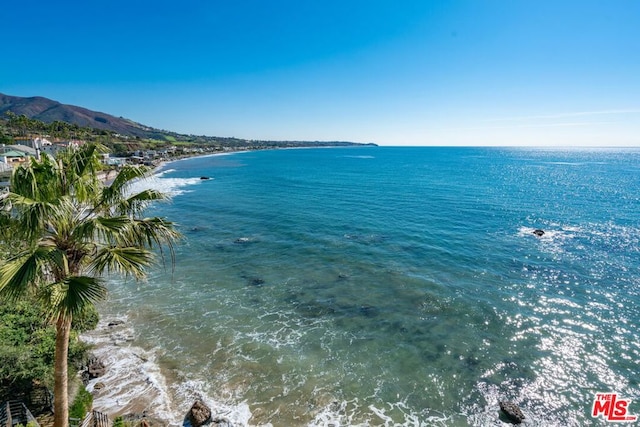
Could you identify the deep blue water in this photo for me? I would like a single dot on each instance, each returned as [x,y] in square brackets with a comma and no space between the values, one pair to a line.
[398,286]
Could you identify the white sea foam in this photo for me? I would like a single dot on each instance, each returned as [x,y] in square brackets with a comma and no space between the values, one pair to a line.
[164,172]
[134,382]
[359,157]
[191,390]
[171,186]
[549,234]
[553,240]
[343,414]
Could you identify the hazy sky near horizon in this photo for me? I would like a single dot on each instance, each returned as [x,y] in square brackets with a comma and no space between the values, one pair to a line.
[412,72]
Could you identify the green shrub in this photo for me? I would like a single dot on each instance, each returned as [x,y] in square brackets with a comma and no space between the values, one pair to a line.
[27,346]
[122,422]
[81,404]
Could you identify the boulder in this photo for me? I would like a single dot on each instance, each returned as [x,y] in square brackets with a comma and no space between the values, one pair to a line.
[512,411]
[115,323]
[95,368]
[199,414]
[538,232]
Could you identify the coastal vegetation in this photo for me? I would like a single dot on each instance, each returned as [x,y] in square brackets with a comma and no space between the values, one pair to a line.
[14,128]
[24,118]
[66,230]
[81,404]
[27,346]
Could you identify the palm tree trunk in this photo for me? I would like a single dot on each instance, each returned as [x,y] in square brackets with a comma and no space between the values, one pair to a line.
[60,388]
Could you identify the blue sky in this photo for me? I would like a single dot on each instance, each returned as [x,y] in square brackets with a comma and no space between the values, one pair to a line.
[477,72]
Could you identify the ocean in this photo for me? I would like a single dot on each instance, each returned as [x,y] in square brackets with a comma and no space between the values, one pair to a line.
[384,286]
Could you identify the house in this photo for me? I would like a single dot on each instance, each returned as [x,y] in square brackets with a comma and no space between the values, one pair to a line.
[117,161]
[45,146]
[13,157]
[15,154]
[21,148]
[136,160]
[52,149]
[34,143]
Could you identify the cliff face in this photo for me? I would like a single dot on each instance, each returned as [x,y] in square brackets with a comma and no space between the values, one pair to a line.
[47,110]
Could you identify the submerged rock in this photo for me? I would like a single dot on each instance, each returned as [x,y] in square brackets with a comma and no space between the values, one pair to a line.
[512,411]
[199,414]
[256,281]
[116,323]
[368,311]
[538,232]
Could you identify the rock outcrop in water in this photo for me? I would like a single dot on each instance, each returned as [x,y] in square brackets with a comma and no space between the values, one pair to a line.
[538,232]
[95,368]
[512,411]
[115,323]
[199,414]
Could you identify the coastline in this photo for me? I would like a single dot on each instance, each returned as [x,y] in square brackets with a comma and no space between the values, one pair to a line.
[136,385]
[135,382]
[264,313]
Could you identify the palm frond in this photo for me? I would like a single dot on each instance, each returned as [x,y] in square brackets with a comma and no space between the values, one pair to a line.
[155,230]
[160,232]
[22,273]
[32,216]
[102,229]
[121,260]
[136,203]
[116,192]
[72,296]
[37,179]
[78,169]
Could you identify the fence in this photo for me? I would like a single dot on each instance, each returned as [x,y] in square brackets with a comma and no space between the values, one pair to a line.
[15,412]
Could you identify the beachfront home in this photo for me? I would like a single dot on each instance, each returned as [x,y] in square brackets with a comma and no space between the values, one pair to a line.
[116,161]
[136,160]
[13,157]
[34,143]
[16,154]
[46,146]
[28,151]
[53,148]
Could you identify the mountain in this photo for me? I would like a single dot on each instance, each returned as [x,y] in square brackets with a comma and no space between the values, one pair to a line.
[47,110]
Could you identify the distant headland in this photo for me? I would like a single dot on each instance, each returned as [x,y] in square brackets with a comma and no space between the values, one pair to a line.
[28,117]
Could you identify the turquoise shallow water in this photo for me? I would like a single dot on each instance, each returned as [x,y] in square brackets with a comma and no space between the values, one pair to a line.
[398,286]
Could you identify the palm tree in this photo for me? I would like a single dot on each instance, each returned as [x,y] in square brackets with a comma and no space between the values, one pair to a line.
[74,229]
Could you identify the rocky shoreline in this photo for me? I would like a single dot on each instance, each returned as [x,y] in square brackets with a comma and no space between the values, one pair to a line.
[130,389]
[127,384]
